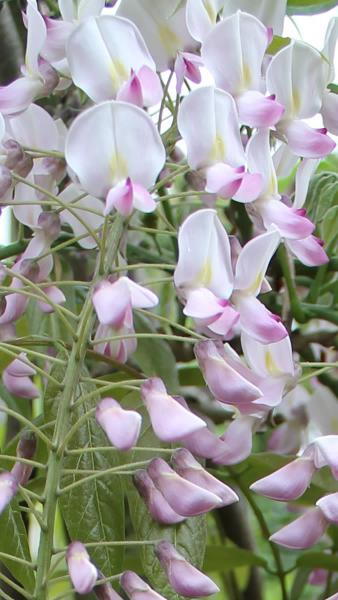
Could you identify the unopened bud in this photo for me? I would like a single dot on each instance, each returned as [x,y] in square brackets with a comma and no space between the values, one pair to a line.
[50,223]
[5,180]
[81,570]
[24,166]
[14,153]
[8,489]
[25,449]
[29,268]
[50,76]
[157,505]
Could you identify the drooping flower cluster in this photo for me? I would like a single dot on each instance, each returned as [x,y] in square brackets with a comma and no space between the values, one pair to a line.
[68,182]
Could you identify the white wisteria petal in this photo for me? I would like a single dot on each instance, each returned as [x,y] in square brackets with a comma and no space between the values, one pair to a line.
[297,75]
[102,53]
[119,133]
[34,128]
[254,260]
[201,16]
[260,160]
[270,12]
[204,255]
[329,48]
[208,123]
[233,52]
[270,360]
[304,173]
[36,37]
[140,296]
[82,209]
[18,95]
[80,9]
[329,112]
[162,25]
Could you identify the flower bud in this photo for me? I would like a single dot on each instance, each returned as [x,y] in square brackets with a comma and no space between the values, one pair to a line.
[122,427]
[8,489]
[287,483]
[16,378]
[157,505]
[50,223]
[304,532]
[25,449]
[136,588]
[5,180]
[170,420]
[50,76]
[329,507]
[24,166]
[189,468]
[106,592]
[81,571]
[14,153]
[185,579]
[184,497]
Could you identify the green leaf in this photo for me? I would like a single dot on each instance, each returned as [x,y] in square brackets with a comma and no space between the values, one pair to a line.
[309,7]
[329,227]
[333,87]
[223,558]
[322,196]
[277,44]
[318,560]
[13,540]
[94,511]
[189,537]
[299,583]
[154,356]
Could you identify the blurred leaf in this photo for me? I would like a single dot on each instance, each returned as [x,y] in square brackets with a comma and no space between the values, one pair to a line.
[189,537]
[299,583]
[94,511]
[322,196]
[329,229]
[277,44]
[13,540]
[222,558]
[154,356]
[309,7]
[333,87]
[190,374]
[318,560]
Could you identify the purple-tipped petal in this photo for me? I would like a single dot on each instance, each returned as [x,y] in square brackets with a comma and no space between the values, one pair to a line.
[302,533]
[122,427]
[329,507]
[136,588]
[120,197]
[184,497]
[309,251]
[183,577]
[305,141]
[170,420]
[237,441]
[257,110]
[157,505]
[8,488]
[288,483]
[189,468]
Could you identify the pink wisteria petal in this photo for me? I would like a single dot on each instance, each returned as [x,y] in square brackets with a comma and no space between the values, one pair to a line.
[208,123]
[308,142]
[157,505]
[8,488]
[260,160]
[288,483]
[170,420]
[81,570]
[250,188]
[256,320]
[184,497]
[151,86]
[302,533]
[254,260]
[183,577]
[329,507]
[22,387]
[19,94]
[202,304]
[224,325]
[20,367]
[140,296]
[121,426]
[187,66]
[309,251]
[204,443]
[243,39]
[58,32]
[111,301]
[292,223]
[257,110]
[225,383]
[143,201]
[113,126]
[131,91]
[326,453]
[136,588]
[120,197]
[204,265]
[56,296]
[188,467]
[224,180]
[237,440]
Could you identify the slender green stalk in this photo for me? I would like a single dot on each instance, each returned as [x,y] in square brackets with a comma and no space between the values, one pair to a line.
[296,307]
[70,383]
[113,449]
[98,474]
[163,336]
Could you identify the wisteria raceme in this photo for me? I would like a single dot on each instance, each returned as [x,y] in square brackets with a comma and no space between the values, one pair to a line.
[168,300]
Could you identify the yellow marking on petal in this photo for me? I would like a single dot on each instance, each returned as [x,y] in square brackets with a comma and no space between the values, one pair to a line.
[272,185]
[118,73]
[118,166]
[295,101]
[217,152]
[270,364]
[169,39]
[334,425]
[211,11]
[246,76]
[255,284]
[204,277]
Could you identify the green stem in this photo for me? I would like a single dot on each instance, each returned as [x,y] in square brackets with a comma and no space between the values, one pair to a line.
[97,474]
[317,311]
[295,304]
[13,249]
[113,449]
[70,384]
